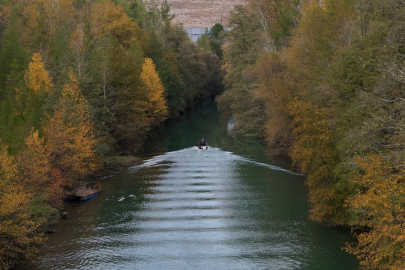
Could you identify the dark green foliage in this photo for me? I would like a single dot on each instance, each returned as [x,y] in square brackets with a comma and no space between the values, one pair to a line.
[174,91]
[238,99]
[127,95]
[211,42]
[189,62]
[286,21]
[213,85]
[14,60]
[216,30]
[204,41]
[135,9]
[216,48]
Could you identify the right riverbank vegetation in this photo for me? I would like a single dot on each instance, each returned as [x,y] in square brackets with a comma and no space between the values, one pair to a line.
[324,83]
[83,82]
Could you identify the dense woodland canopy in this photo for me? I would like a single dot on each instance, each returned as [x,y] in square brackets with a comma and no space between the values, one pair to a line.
[81,80]
[323,82]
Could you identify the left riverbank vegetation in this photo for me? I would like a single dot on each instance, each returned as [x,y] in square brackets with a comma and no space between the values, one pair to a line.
[82,81]
[323,83]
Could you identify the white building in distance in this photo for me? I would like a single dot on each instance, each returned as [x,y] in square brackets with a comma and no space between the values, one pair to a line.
[196,33]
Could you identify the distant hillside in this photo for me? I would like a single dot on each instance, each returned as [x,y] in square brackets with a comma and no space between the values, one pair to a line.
[202,13]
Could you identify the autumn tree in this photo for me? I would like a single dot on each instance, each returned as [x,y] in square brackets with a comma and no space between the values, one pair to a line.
[19,233]
[106,17]
[314,43]
[27,101]
[157,109]
[56,190]
[379,204]
[46,187]
[275,91]
[37,76]
[313,150]
[34,164]
[30,97]
[70,135]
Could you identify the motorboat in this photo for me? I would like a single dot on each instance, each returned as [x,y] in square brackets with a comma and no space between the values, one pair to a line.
[201,147]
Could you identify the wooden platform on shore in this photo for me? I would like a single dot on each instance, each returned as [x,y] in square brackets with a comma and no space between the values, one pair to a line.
[86,191]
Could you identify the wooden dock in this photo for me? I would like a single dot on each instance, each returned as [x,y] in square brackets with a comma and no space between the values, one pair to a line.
[84,192]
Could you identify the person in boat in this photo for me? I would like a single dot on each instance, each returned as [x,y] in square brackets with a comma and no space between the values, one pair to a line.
[201,143]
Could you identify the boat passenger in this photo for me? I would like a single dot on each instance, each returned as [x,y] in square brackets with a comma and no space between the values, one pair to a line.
[201,143]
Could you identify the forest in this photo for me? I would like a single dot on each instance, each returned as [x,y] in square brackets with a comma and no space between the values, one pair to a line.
[82,81]
[322,81]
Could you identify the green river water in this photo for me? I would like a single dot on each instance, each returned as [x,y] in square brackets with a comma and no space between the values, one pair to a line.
[224,208]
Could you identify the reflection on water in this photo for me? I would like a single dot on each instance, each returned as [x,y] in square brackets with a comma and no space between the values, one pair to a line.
[194,209]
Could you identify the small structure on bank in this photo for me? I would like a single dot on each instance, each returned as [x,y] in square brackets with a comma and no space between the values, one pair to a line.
[85,191]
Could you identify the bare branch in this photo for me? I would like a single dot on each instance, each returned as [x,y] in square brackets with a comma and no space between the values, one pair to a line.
[392,101]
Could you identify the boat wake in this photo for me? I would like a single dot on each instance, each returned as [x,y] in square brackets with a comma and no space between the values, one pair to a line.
[215,155]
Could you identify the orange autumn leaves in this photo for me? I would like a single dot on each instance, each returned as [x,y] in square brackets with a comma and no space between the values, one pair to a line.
[107,17]
[44,167]
[157,109]
[379,201]
[69,141]
[67,151]
[69,132]
[70,135]
[36,76]
[19,234]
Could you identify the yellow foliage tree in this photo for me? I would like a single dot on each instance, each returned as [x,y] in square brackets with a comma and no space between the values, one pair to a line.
[157,109]
[34,164]
[313,150]
[274,91]
[19,235]
[319,34]
[37,76]
[43,14]
[107,17]
[70,135]
[379,202]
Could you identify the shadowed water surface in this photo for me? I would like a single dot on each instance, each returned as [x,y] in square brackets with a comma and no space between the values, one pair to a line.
[224,208]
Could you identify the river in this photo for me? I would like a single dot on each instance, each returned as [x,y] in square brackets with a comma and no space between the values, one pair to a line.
[224,208]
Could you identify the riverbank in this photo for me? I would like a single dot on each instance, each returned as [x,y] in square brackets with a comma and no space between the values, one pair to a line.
[205,209]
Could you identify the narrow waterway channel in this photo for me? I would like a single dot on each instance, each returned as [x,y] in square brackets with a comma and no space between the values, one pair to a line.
[224,208]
